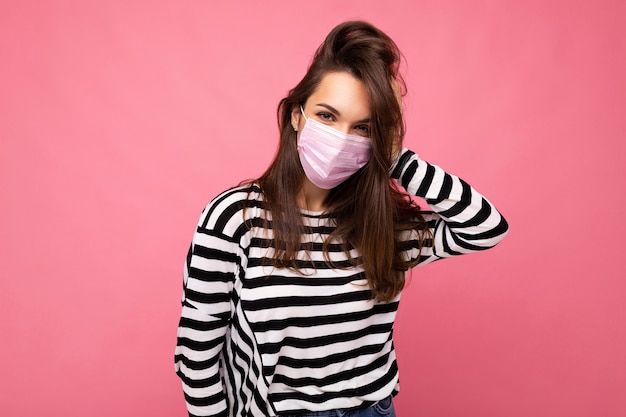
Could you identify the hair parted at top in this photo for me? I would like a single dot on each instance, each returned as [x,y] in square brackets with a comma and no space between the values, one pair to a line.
[369,211]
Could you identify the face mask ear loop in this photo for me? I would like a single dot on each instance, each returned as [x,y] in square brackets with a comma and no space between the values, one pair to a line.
[305,119]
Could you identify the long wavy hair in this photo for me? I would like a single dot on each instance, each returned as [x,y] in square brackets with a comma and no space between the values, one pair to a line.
[369,211]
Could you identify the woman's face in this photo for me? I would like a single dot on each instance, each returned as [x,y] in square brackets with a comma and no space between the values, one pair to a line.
[341,102]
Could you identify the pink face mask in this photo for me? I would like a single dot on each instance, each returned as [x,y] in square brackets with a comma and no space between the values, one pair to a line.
[328,156]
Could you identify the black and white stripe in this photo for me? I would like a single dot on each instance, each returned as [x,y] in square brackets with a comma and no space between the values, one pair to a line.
[255,340]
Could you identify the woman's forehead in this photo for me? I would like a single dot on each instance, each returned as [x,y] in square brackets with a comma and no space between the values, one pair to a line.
[343,92]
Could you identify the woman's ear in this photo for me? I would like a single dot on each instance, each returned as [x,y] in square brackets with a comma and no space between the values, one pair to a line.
[295,117]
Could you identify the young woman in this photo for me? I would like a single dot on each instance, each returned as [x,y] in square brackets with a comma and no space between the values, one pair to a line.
[292,281]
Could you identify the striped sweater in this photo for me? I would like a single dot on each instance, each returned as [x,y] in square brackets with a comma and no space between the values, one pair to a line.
[255,340]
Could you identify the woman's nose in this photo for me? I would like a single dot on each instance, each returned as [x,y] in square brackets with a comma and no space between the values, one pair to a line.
[344,128]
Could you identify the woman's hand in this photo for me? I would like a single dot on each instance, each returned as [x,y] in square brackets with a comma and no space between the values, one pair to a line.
[397,143]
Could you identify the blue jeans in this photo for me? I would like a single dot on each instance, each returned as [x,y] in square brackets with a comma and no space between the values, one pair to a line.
[383,408]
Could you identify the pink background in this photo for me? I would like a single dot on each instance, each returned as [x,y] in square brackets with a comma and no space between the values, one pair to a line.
[120,120]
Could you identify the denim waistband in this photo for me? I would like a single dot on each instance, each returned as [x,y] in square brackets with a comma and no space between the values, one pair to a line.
[337,412]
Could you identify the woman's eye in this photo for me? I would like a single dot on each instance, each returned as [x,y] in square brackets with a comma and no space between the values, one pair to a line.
[325,116]
[363,130]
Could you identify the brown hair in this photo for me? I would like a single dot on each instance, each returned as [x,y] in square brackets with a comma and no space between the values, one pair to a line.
[369,211]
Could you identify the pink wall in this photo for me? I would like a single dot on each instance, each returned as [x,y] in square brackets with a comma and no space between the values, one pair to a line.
[119,120]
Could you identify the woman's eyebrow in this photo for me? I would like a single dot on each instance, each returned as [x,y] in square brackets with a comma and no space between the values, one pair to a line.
[329,107]
[337,113]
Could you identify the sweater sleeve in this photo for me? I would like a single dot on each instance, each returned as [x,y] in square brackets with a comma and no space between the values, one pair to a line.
[208,277]
[461,219]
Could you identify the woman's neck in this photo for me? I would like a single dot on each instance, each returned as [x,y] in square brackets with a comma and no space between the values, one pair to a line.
[311,197]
